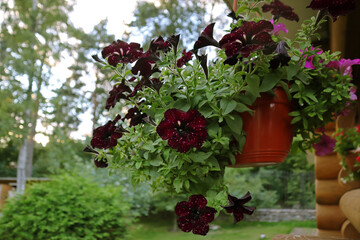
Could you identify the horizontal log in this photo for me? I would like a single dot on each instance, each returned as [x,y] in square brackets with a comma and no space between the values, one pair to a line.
[347,121]
[327,167]
[329,191]
[349,231]
[350,206]
[329,234]
[329,217]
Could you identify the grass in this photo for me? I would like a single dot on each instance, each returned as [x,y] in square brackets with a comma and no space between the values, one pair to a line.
[159,228]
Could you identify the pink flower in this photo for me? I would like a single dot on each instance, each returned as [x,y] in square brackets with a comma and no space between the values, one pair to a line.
[344,65]
[278,27]
[325,146]
[309,60]
[353,96]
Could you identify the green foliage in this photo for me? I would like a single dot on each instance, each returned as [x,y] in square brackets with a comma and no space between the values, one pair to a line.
[240,181]
[69,207]
[60,153]
[219,91]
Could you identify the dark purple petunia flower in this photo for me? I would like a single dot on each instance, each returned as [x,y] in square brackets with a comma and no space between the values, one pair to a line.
[282,58]
[237,208]
[279,9]
[325,146]
[100,162]
[206,38]
[194,215]
[187,56]
[122,52]
[136,117]
[247,38]
[145,66]
[106,136]
[334,7]
[159,44]
[116,94]
[183,130]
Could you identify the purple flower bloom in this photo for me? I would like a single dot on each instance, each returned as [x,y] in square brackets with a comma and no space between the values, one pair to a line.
[106,136]
[195,215]
[247,38]
[334,7]
[325,146]
[183,130]
[279,9]
[123,52]
[116,94]
[353,96]
[187,56]
[237,208]
[278,27]
[309,59]
[344,65]
[282,57]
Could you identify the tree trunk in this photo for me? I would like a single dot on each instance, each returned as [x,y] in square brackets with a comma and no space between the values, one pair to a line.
[24,167]
[21,177]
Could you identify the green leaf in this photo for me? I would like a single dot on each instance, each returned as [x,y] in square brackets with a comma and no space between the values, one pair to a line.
[235,124]
[178,184]
[253,83]
[227,106]
[199,156]
[182,104]
[240,107]
[270,81]
[292,70]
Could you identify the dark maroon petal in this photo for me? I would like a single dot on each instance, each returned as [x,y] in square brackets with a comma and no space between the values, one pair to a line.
[253,28]
[185,224]
[263,38]
[334,7]
[279,9]
[238,215]
[208,214]
[182,209]
[244,199]
[206,38]
[198,121]
[107,51]
[182,145]
[201,229]
[249,210]
[100,163]
[165,129]
[173,115]
[187,56]
[246,50]
[174,41]
[197,201]
[114,60]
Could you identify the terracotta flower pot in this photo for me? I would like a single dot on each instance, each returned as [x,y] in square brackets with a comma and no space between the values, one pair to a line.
[350,160]
[269,131]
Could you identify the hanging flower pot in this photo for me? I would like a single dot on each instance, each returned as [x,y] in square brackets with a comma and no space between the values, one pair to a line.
[350,160]
[269,131]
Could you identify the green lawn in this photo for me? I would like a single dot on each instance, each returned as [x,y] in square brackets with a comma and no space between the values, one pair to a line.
[159,228]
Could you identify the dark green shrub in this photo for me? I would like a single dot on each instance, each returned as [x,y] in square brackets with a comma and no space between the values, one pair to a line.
[66,208]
